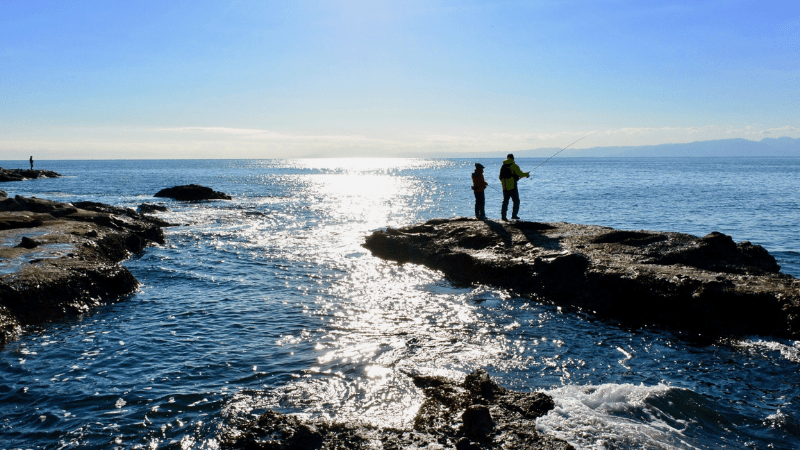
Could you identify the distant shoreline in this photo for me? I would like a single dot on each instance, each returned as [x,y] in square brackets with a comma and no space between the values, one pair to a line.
[724,148]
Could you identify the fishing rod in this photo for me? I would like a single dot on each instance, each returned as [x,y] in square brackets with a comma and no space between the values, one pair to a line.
[548,159]
[498,190]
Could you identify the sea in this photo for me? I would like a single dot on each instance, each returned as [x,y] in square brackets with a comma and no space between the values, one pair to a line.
[269,301]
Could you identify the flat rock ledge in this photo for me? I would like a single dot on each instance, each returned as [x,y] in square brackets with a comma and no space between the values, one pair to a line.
[192,192]
[25,174]
[705,286]
[472,415]
[60,259]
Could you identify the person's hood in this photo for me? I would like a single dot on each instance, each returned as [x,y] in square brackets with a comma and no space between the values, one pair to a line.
[508,161]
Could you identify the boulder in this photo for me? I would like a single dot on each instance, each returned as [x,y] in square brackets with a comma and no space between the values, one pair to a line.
[706,286]
[28,243]
[192,192]
[477,422]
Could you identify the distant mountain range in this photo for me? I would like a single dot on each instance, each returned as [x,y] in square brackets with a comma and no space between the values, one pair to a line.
[784,146]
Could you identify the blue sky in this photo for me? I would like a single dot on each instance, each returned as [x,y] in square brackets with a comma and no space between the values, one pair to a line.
[256,79]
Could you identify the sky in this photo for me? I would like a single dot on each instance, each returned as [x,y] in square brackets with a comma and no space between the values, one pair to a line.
[275,79]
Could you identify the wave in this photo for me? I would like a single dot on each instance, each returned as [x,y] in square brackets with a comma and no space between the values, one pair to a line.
[627,416]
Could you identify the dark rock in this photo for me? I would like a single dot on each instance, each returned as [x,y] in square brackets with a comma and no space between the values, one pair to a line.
[3,195]
[466,444]
[273,430]
[477,422]
[76,274]
[107,219]
[484,424]
[28,243]
[9,221]
[481,386]
[192,192]
[108,209]
[55,209]
[9,204]
[147,208]
[709,286]
[25,174]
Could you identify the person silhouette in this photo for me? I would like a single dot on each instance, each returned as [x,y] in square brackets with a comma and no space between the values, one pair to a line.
[478,186]
[31,160]
[509,174]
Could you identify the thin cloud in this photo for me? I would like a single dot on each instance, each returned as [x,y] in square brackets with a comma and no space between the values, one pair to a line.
[272,135]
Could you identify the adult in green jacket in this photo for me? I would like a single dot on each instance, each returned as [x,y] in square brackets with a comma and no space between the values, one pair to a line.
[509,174]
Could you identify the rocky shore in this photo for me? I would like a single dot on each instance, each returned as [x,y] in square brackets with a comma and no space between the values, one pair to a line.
[59,259]
[703,286]
[471,415]
[25,174]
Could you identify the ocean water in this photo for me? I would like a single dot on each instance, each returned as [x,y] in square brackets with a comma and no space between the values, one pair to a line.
[269,301]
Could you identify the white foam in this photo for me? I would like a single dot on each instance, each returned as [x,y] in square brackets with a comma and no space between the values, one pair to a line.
[788,352]
[612,416]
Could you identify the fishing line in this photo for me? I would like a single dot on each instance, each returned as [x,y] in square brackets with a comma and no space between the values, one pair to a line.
[548,159]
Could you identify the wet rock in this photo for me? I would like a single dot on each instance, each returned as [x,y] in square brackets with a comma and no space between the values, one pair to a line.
[482,387]
[273,430]
[147,208]
[55,209]
[75,266]
[466,444]
[28,243]
[192,192]
[708,286]
[477,422]
[25,174]
[14,221]
[453,415]
[3,195]
[9,204]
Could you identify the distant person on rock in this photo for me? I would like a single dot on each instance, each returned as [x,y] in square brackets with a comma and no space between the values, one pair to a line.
[479,186]
[31,160]
[509,174]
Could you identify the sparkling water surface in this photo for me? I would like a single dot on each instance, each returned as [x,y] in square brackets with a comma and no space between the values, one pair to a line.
[269,301]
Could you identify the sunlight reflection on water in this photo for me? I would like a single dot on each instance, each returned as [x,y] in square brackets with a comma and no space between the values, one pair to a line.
[381,320]
[269,301]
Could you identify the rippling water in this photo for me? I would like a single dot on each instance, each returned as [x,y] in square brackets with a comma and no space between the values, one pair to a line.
[269,301]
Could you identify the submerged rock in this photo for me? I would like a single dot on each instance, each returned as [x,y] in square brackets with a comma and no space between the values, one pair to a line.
[147,208]
[25,174]
[67,262]
[453,415]
[192,192]
[705,285]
